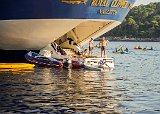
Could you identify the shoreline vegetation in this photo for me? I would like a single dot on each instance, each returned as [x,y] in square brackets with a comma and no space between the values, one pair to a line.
[142,24]
[125,39]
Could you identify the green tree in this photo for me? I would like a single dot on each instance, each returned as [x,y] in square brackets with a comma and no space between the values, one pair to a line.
[142,21]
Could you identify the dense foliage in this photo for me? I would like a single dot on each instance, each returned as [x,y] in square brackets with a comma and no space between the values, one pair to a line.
[142,22]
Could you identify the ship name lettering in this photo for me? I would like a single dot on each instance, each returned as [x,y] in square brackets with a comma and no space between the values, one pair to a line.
[103,3]
[108,12]
[130,6]
[119,4]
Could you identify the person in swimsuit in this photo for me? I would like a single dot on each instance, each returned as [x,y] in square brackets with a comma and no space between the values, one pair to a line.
[91,45]
[103,44]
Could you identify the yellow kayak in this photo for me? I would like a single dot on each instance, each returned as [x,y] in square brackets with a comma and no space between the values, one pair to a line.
[16,67]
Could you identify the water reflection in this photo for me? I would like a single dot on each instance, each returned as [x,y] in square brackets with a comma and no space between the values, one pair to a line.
[54,90]
[133,87]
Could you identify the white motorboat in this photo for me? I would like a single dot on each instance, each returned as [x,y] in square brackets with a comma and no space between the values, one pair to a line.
[100,64]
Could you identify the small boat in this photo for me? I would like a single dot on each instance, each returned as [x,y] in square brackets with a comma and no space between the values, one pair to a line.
[121,51]
[76,64]
[16,68]
[150,48]
[99,64]
[41,60]
[138,47]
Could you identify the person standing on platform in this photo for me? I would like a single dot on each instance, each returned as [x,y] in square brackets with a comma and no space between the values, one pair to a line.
[91,45]
[104,44]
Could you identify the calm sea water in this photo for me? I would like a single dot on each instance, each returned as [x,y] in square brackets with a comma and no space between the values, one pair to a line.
[133,87]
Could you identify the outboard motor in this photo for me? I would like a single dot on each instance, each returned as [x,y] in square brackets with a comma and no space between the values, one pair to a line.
[68,63]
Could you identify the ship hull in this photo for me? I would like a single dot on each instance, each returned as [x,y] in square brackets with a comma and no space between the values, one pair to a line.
[36,34]
[33,34]
[33,24]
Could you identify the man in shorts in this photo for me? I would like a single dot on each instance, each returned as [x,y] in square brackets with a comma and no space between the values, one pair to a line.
[91,45]
[103,44]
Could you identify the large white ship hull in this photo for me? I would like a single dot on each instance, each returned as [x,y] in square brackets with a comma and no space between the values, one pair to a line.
[33,24]
[37,33]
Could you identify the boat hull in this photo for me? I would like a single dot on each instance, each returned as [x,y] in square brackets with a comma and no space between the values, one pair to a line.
[40,60]
[33,34]
[33,24]
[99,64]
[58,9]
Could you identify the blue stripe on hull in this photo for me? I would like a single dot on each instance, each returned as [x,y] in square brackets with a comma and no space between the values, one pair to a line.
[56,9]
